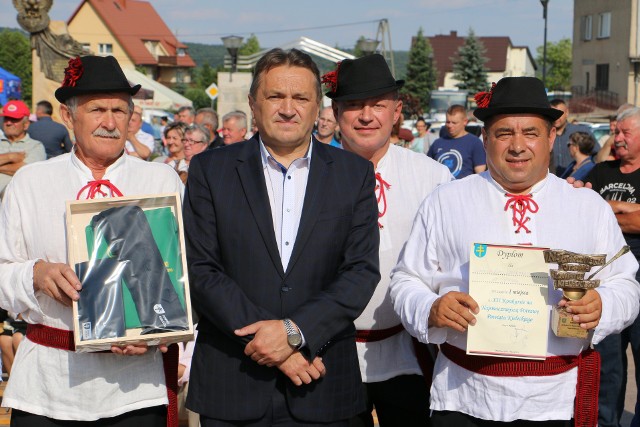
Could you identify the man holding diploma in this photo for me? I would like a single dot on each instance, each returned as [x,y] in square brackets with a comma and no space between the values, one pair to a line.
[515,203]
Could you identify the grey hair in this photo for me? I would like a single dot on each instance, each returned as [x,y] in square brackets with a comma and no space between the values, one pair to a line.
[241,118]
[72,104]
[629,112]
[199,128]
[209,117]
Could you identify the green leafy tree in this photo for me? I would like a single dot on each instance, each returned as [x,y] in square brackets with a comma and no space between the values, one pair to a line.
[558,64]
[421,73]
[468,65]
[357,52]
[198,96]
[250,47]
[205,75]
[15,57]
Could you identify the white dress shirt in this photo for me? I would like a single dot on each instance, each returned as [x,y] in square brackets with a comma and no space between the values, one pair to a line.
[435,261]
[57,383]
[143,138]
[286,189]
[411,177]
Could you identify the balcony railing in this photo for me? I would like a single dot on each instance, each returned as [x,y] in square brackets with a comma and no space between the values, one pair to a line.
[168,60]
[586,101]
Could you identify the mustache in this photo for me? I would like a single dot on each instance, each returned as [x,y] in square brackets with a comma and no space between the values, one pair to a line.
[104,133]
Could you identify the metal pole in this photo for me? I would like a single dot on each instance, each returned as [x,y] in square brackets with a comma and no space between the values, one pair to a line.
[544,47]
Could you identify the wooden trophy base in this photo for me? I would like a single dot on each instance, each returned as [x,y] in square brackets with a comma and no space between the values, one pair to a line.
[563,325]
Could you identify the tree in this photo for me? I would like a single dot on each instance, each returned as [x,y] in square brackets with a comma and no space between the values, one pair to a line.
[421,73]
[468,66]
[558,64]
[357,52]
[198,96]
[15,57]
[250,47]
[205,75]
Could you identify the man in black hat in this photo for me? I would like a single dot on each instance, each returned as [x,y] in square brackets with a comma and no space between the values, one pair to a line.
[51,385]
[366,104]
[282,243]
[516,202]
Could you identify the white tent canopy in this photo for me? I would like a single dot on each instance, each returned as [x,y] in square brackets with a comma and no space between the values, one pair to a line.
[163,97]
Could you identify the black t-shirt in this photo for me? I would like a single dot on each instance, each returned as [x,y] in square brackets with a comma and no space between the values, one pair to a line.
[612,184]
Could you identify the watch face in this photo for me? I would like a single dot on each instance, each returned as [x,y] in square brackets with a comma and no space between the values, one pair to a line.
[294,340]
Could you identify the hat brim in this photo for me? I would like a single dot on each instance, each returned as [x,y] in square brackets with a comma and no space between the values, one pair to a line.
[64,93]
[484,113]
[366,94]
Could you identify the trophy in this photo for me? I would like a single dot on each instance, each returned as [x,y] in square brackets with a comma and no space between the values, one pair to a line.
[569,277]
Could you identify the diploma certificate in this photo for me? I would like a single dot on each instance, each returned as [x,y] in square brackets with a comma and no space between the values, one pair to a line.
[510,285]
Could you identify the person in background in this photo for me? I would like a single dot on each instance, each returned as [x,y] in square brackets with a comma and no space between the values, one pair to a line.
[186,115]
[581,146]
[458,150]
[17,148]
[208,118]
[234,127]
[139,143]
[174,134]
[560,157]
[53,135]
[326,128]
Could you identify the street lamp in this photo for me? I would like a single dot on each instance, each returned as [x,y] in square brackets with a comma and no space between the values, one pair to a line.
[232,43]
[544,3]
[367,46]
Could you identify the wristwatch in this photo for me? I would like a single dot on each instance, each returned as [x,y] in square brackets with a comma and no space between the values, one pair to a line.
[293,335]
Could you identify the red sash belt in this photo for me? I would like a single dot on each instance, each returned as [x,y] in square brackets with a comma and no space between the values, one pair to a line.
[377,334]
[63,340]
[588,363]
[426,360]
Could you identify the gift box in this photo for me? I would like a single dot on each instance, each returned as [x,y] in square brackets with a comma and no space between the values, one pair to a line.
[129,254]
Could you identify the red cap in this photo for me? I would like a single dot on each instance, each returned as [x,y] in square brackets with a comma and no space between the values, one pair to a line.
[15,110]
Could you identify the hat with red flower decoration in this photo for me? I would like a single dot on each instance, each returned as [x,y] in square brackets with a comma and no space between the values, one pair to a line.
[515,95]
[93,74]
[360,78]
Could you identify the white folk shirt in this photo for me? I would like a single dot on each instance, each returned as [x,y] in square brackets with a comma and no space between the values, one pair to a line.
[47,381]
[411,177]
[435,261]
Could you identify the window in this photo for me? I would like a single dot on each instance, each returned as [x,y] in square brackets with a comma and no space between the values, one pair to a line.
[586,25]
[182,51]
[105,48]
[86,47]
[602,77]
[604,25]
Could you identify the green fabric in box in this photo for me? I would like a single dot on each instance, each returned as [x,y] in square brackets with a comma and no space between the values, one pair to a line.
[165,233]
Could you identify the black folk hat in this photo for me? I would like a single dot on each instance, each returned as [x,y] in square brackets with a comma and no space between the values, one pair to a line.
[360,79]
[93,74]
[514,95]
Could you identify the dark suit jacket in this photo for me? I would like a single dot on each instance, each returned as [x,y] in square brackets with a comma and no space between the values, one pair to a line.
[236,278]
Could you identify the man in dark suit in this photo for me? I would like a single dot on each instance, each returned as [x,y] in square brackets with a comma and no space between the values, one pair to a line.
[282,244]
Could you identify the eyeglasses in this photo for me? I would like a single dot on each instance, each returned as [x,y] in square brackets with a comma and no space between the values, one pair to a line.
[191,141]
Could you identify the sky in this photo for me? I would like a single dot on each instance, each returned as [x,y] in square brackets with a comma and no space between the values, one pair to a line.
[277,22]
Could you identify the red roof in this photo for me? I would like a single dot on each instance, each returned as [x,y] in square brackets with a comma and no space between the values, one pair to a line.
[132,23]
[445,47]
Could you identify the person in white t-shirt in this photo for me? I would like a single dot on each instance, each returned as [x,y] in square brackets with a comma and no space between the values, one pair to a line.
[139,143]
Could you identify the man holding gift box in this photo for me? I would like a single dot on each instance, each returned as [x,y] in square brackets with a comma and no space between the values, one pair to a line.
[50,383]
[516,202]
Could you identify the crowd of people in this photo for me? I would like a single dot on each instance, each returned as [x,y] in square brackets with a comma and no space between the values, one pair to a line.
[328,253]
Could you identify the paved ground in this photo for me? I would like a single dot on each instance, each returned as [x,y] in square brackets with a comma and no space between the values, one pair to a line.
[630,397]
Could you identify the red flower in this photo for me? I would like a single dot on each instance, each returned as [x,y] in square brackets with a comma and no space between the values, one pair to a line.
[73,72]
[484,98]
[331,78]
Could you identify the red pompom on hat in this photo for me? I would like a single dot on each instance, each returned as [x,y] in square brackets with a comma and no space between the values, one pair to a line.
[484,98]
